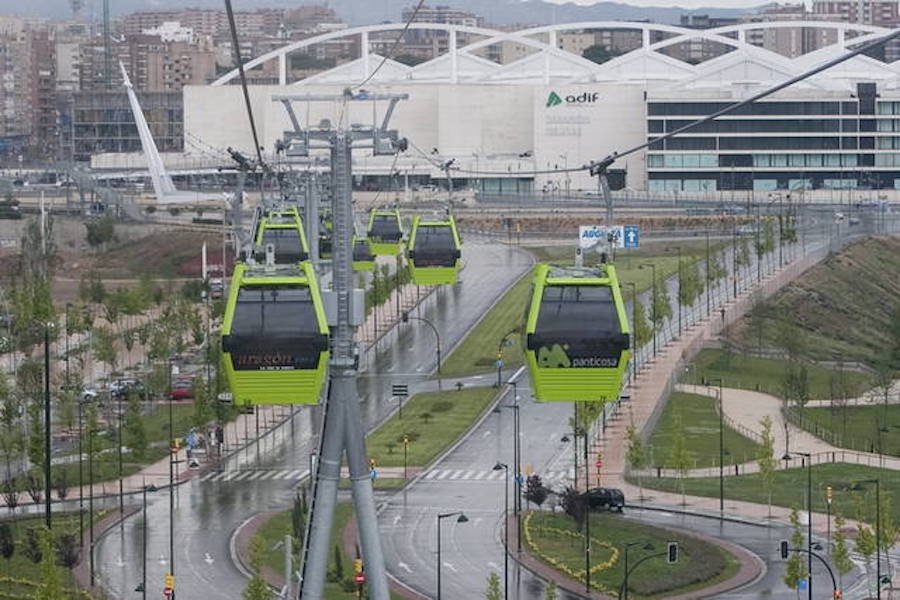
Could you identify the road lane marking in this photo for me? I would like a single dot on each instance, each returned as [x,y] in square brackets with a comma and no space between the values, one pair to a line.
[450,566]
[404,566]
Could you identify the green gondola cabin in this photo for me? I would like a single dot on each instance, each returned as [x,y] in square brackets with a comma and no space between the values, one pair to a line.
[434,252]
[577,336]
[275,337]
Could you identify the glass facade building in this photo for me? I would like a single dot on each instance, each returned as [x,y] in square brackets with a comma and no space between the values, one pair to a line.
[852,141]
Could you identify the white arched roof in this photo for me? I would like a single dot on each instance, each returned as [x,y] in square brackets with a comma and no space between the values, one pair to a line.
[545,63]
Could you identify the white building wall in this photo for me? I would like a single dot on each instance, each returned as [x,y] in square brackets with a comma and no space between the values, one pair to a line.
[591,122]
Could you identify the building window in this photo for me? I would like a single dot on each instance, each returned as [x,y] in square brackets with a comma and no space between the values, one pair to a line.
[765,185]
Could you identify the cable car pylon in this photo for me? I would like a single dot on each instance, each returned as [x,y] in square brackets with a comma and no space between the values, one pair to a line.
[343,426]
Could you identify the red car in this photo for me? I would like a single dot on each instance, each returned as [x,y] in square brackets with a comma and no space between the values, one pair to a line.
[182,388]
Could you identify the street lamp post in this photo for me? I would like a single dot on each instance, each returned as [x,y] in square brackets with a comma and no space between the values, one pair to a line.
[634,354]
[587,520]
[623,593]
[460,518]
[142,587]
[809,542]
[80,472]
[706,276]
[505,468]
[406,318]
[172,479]
[653,304]
[858,486]
[517,463]
[405,456]
[679,291]
[47,482]
[721,383]
[91,496]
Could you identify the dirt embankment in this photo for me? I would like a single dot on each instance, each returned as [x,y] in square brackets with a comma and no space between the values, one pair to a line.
[845,304]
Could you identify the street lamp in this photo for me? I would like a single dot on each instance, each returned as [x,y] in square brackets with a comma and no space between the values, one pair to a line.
[587,520]
[721,398]
[653,302]
[47,482]
[171,477]
[460,518]
[505,468]
[503,342]
[142,586]
[517,462]
[859,485]
[406,318]
[809,542]
[646,546]
[635,349]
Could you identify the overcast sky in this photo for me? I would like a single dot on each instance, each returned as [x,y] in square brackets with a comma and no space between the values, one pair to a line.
[678,3]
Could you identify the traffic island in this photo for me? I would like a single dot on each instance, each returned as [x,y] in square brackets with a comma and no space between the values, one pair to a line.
[553,549]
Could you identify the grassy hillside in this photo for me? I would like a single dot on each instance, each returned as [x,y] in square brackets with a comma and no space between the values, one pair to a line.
[844,304]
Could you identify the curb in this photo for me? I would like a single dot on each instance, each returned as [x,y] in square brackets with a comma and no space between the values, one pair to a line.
[81,571]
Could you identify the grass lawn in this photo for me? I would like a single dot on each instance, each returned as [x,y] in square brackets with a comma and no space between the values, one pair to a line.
[700,564]
[478,350]
[765,374]
[789,488]
[860,427]
[20,567]
[274,530]
[450,413]
[700,423]
[381,483]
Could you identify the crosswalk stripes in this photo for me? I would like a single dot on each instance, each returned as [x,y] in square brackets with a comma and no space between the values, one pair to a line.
[253,475]
[485,475]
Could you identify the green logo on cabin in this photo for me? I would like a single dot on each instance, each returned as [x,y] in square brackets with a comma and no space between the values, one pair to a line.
[554,357]
[553,99]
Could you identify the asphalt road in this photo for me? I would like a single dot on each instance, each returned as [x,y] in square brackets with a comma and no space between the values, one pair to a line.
[208,510]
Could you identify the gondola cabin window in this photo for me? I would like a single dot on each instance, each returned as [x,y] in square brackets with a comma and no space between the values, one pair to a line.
[578,327]
[286,242]
[435,246]
[275,329]
[385,228]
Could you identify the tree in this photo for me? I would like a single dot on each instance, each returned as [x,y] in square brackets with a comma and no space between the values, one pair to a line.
[550,590]
[62,485]
[534,490]
[636,454]
[7,541]
[840,553]
[690,286]
[67,549]
[91,288]
[661,304]
[573,505]
[796,566]
[298,516]
[203,412]
[494,592]
[50,587]
[32,546]
[641,329]
[598,54]
[100,232]
[135,431]
[105,347]
[766,460]
[679,458]
[338,564]
[257,588]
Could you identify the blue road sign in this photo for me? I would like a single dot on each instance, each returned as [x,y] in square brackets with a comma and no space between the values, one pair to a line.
[802,585]
[499,363]
[632,234]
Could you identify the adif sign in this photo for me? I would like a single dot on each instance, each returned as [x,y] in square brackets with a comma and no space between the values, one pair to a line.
[590,236]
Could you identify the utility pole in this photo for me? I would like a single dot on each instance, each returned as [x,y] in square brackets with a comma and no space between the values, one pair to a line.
[343,427]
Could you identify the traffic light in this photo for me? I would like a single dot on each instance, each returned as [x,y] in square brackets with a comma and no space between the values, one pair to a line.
[784,549]
[838,595]
[372,463]
[170,581]
[672,552]
[358,565]
[405,317]
[828,494]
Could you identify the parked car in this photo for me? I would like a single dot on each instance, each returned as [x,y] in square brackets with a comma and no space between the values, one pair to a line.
[609,498]
[122,387]
[182,388]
